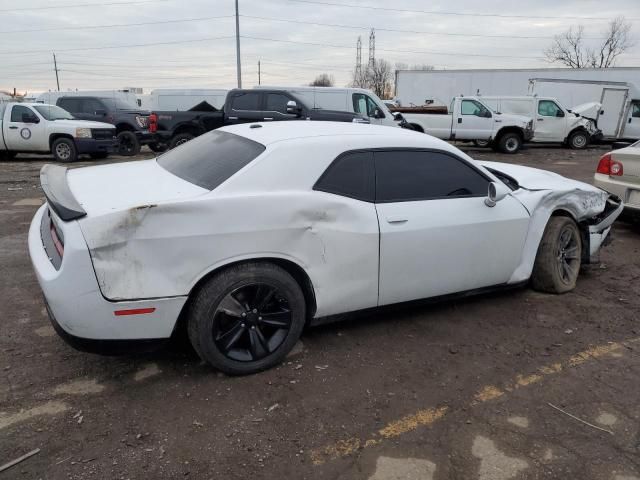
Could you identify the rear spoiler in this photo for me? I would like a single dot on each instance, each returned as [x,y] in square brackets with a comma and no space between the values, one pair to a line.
[53,179]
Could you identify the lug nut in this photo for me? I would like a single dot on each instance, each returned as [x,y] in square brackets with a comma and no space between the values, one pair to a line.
[253,328]
[259,318]
[255,310]
[242,325]
[244,314]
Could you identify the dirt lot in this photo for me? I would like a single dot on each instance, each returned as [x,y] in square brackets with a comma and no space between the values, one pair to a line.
[458,390]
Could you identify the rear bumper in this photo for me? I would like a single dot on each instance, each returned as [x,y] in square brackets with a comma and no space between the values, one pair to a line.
[90,145]
[74,299]
[628,192]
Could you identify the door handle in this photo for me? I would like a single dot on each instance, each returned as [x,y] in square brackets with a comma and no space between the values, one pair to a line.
[541,119]
[13,128]
[397,220]
[459,120]
[268,118]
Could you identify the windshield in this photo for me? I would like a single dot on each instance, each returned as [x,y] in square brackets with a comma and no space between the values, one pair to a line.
[210,159]
[51,112]
[118,104]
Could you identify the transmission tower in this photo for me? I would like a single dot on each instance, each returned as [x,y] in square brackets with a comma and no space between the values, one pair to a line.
[372,48]
[358,72]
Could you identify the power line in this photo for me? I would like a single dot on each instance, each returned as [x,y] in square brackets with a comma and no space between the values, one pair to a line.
[79,5]
[439,12]
[77,49]
[422,32]
[392,50]
[93,27]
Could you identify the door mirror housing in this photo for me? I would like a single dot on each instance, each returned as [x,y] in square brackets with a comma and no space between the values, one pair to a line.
[292,107]
[497,191]
[30,118]
[560,113]
[377,113]
[485,114]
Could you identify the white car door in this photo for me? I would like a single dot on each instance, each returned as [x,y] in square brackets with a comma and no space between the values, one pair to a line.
[551,122]
[367,107]
[632,127]
[26,130]
[474,121]
[437,236]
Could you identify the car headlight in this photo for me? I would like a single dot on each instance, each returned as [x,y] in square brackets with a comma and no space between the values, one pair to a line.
[83,133]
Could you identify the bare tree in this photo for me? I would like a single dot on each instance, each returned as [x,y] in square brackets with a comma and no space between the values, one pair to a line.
[571,49]
[323,80]
[377,77]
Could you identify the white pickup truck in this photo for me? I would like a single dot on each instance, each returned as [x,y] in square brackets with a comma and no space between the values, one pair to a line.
[470,119]
[42,128]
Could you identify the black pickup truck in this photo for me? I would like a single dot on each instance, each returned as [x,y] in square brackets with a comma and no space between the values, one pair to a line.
[241,106]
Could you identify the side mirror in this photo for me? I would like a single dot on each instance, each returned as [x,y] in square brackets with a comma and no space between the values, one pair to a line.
[292,107]
[100,112]
[377,113]
[559,113]
[486,114]
[29,118]
[497,191]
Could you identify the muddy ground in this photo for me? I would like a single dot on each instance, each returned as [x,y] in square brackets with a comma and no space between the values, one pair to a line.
[479,388]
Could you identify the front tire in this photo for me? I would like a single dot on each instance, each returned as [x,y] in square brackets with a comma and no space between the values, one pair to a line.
[247,318]
[559,257]
[510,143]
[128,144]
[481,143]
[64,150]
[578,140]
[180,139]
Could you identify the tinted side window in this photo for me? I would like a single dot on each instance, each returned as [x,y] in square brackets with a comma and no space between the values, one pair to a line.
[91,105]
[548,108]
[246,101]
[359,103]
[18,110]
[635,110]
[70,104]
[350,175]
[210,159]
[277,102]
[423,175]
[471,107]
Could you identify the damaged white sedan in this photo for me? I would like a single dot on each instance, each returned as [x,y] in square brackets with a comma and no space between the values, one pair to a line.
[248,233]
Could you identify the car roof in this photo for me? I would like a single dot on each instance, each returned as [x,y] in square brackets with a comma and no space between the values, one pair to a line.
[376,136]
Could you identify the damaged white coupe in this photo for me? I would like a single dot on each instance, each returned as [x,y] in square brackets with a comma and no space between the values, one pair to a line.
[248,233]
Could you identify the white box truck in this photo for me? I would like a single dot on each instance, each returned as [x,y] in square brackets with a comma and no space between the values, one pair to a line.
[618,114]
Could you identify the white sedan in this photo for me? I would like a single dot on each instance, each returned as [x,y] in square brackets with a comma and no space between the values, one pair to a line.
[248,233]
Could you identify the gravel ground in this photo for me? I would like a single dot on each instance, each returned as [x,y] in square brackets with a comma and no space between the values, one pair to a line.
[515,384]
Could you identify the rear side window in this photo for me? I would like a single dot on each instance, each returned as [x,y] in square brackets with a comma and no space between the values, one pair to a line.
[246,101]
[277,102]
[635,112]
[72,105]
[210,159]
[403,176]
[350,175]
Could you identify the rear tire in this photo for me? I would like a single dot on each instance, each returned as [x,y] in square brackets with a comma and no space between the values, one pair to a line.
[246,318]
[559,257]
[510,143]
[128,144]
[64,150]
[157,147]
[99,155]
[578,140]
[180,139]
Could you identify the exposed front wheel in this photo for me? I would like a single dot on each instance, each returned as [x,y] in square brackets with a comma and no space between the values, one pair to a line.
[128,144]
[64,150]
[510,143]
[578,140]
[559,257]
[481,143]
[247,318]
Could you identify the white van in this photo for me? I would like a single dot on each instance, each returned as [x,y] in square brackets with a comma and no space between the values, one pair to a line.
[178,99]
[125,96]
[356,100]
[552,122]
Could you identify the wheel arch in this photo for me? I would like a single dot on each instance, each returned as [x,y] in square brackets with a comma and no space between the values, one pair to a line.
[577,129]
[582,226]
[124,127]
[55,136]
[509,129]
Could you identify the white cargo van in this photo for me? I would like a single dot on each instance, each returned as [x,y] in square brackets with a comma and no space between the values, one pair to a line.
[182,100]
[356,100]
[552,122]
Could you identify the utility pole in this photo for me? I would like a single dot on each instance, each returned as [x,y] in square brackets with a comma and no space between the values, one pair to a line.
[258,72]
[239,71]
[55,66]
[357,77]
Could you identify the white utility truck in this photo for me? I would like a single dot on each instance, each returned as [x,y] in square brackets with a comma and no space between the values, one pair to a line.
[552,122]
[471,120]
[42,128]
[355,100]
[617,116]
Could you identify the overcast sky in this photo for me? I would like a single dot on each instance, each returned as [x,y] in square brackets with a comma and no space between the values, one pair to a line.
[190,43]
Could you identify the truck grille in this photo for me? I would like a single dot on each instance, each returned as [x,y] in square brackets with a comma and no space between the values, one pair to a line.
[103,133]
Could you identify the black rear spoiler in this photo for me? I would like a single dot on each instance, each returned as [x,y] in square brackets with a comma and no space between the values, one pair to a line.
[53,179]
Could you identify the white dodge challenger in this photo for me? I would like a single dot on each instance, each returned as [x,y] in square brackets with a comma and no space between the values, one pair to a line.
[248,233]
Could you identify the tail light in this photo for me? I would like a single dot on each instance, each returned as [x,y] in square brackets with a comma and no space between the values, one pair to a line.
[608,166]
[153,123]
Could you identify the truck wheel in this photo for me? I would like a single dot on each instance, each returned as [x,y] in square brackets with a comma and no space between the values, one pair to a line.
[64,150]
[510,143]
[157,147]
[180,139]
[557,263]
[481,143]
[578,140]
[128,144]
[99,155]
